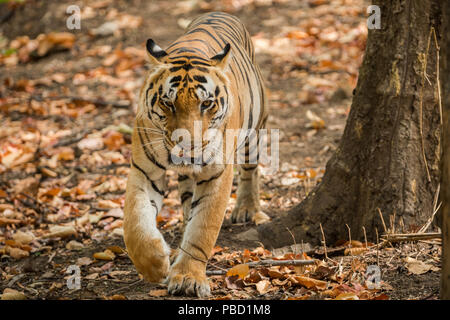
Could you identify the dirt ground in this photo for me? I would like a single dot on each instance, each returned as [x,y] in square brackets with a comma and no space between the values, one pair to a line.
[310,70]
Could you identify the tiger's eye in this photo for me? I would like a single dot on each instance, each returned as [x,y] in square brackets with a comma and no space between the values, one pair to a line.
[206,104]
[168,104]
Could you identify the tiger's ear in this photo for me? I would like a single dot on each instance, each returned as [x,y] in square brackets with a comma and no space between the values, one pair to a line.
[221,59]
[155,52]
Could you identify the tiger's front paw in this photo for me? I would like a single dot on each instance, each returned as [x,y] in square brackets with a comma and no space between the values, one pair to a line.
[188,283]
[151,258]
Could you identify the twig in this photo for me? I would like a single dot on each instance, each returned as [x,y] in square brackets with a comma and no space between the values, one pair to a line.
[292,235]
[365,236]
[378,246]
[263,263]
[323,241]
[382,220]
[430,220]
[349,235]
[400,237]
[126,287]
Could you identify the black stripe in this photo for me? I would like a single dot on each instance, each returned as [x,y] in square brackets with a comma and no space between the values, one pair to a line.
[189,58]
[189,41]
[210,179]
[153,203]
[155,97]
[201,79]
[203,30]
[185,196]
[147,154]
[148,178]
[175,79]
[248,168]
[182,178]
[195,203]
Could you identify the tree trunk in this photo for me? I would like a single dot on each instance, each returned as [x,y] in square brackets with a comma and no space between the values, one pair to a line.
[445,190]
[389,154]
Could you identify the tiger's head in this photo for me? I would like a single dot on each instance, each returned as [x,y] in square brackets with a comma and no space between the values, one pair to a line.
[186,98]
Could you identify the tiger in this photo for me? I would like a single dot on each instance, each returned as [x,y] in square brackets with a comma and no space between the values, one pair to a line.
[207,76]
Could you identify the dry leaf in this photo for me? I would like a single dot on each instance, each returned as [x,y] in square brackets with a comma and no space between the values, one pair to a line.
[310,282]
[354,251]
[5,221]
[84,261]
[60,232]
[17,253]
[240,270]
[23,237]
[263,286]
[92,276]
[107,204]
[347,296]
[11,294]
[74,245]
[158,293]
[116,297]
[116,249]
[418,267]
[260,218]
[105,255]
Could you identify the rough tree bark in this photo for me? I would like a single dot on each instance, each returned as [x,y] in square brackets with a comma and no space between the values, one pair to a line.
[393,126]
[445,190]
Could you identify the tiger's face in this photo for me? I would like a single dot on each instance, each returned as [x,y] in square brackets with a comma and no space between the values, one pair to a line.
[187,99]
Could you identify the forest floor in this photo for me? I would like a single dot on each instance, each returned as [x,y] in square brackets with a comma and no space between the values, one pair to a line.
[67,101]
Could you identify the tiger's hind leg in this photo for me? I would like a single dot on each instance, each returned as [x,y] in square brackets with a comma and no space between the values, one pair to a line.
[247,203]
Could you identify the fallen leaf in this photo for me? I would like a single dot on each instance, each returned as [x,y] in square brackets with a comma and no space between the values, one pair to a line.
[240,270]
[74,245]
[23,237]
[94,143]
[260,218]
[347,296]
[60,232]
[116,297]
[6,221]
[263,286]
[107,204]
[92,276]
[105,255]
[158,293]
[310,282]
[17,253]
[354,251]
[116,249]
[11,294]
[418,267]
[84,261]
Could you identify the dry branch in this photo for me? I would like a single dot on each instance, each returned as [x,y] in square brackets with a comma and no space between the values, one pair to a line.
[264,263]
[400,237]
